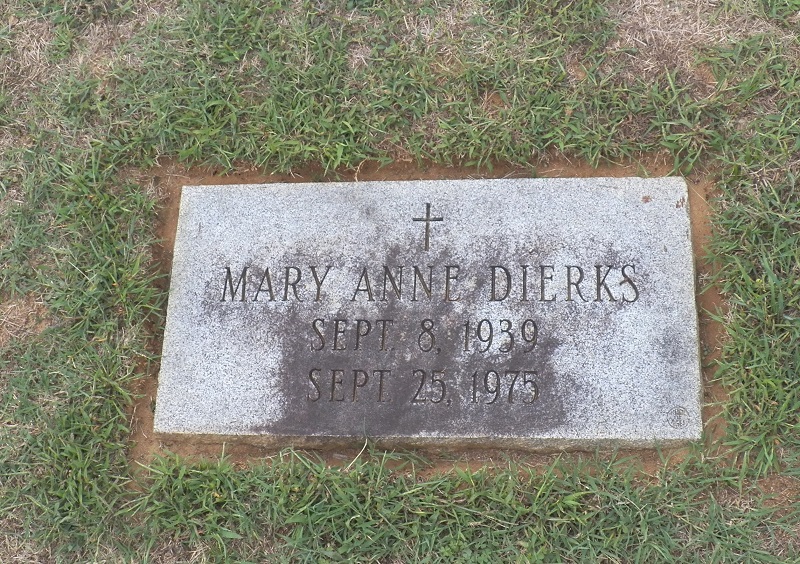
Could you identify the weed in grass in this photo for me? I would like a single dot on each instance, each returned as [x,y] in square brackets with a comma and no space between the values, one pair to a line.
[79,97]
[783,12]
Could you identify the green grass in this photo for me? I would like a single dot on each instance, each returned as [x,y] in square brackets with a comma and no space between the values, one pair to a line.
[584,511]
[90,90]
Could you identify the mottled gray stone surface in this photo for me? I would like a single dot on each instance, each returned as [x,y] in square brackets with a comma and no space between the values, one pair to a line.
[544,313]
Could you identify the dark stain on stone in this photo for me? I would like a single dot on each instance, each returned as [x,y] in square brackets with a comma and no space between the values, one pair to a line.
[405,391]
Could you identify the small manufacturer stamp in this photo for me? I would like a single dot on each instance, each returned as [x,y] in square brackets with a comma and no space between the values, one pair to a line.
[678,417]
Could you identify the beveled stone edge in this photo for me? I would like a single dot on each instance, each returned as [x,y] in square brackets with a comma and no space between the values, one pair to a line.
[540,445]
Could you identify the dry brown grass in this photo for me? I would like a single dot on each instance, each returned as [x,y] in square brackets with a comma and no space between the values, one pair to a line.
[21,318]
[31,62]
[30,68]
[172,552]
[783,492]
[25,69]
[670,34]
[15,549]
[13,196]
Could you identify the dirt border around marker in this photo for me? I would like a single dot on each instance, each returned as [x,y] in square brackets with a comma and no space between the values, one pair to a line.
[168,177]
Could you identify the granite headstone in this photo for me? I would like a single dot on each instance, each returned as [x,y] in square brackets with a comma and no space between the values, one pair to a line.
[525,313]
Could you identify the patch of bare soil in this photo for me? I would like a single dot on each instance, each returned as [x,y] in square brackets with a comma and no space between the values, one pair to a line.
[21,318]
[782,491]
[777,491]
[168,178]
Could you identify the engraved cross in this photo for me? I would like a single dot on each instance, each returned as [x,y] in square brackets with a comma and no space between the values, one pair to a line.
[427,219]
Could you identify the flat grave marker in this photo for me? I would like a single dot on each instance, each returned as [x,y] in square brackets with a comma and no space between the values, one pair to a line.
[522,313]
